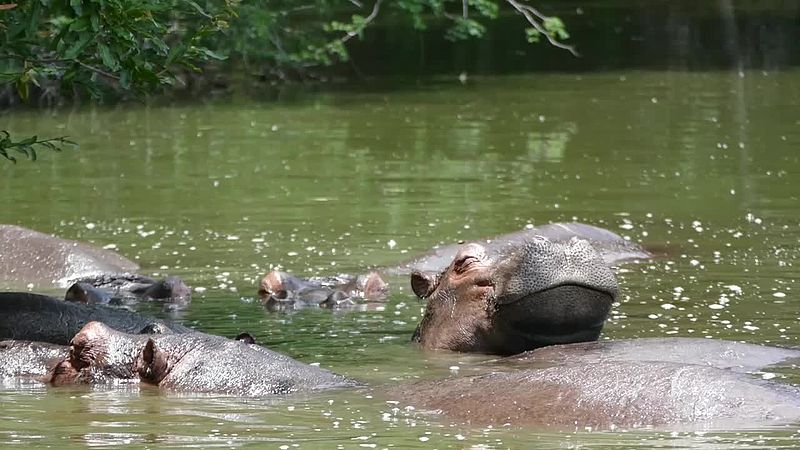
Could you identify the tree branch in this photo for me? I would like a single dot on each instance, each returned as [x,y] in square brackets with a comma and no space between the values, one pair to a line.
[89,67]
[536,18]
[375,10]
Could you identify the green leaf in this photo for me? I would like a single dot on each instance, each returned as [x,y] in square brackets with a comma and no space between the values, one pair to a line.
[77,6]
[78,46]
[109,60]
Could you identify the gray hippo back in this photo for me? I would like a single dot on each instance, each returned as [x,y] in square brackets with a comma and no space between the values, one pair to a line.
[31,257]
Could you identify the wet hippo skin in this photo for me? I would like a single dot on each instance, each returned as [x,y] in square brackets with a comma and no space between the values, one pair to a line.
[43,318]
[28,256]
[189,362]
[607,395]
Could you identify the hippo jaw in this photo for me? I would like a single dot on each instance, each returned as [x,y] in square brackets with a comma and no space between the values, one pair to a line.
[525,296]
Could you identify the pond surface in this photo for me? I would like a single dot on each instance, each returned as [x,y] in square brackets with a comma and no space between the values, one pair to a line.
[705,165]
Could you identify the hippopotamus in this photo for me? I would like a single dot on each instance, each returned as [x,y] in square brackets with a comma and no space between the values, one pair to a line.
[650,382]
[506,299]
[190,362]
[36,317]
[607,395]
[34,259]
[279,289]
[122,289]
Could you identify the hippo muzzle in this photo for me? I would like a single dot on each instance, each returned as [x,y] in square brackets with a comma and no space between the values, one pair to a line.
[523,295]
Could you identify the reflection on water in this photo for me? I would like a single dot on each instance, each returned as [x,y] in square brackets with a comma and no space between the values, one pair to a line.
[700,165]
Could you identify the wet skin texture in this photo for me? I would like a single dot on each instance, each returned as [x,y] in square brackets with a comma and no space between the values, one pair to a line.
[190,362]
[28,256]
[31,360]
[607,395]
[514,297]
[42,318]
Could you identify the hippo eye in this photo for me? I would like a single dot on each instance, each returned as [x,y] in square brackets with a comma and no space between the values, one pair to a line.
[464,262]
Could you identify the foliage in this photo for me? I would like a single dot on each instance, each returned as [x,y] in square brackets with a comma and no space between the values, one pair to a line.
[89,46]
[288,38]
[28,146]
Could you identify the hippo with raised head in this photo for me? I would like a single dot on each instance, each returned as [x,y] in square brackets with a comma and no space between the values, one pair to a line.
[508,299]
[28,257]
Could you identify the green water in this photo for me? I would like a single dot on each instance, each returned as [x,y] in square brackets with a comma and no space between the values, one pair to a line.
[703,164]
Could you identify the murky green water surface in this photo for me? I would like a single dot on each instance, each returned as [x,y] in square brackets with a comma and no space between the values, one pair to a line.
[705,165]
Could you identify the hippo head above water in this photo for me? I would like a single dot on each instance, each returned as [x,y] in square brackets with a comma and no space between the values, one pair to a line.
[514,297]
[188,362]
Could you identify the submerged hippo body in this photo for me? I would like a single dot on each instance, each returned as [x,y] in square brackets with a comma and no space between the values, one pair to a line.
[43,318]
[24,360]
[729,355]
[190,362]
[608,395]
[31,257]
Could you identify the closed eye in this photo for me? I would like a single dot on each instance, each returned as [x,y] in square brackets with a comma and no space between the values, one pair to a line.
[464,262]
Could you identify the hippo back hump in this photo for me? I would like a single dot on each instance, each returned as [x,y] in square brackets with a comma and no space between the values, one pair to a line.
[28,256]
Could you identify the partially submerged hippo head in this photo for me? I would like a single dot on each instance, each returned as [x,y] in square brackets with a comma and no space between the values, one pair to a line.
[516,297]
[117,289]
[277,287]
[188,362]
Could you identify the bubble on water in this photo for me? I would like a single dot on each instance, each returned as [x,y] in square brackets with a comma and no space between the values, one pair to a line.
[779,294]
[90,226]
[392,243]
[667,306]
[716,306]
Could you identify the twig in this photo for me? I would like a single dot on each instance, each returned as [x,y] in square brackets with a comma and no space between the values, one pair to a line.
[531,14]
[375,10]
[464,8]
[60,61]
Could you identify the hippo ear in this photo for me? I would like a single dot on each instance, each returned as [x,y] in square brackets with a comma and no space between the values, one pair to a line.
[153,363]
[246,337]
[423,283]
